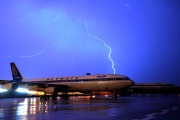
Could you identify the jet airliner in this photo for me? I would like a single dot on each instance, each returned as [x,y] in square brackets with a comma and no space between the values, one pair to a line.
[85,84]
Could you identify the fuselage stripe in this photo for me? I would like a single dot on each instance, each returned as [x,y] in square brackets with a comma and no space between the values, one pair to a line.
[79,80]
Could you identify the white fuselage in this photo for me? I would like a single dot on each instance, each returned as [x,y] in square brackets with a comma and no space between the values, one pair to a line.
[105,82]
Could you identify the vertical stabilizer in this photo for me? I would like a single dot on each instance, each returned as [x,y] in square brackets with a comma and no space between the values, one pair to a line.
[15,72]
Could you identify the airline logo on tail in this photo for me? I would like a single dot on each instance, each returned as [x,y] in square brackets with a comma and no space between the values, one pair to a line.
[14,70]
[15,73]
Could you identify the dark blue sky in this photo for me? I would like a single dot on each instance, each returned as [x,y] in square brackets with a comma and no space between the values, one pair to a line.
[49,38]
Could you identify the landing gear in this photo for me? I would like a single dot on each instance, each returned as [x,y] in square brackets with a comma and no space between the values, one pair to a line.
[114,95]
[65,95]
[54,95]
[44,97]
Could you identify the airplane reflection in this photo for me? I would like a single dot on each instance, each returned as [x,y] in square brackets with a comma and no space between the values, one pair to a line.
[22,107]
[27,106]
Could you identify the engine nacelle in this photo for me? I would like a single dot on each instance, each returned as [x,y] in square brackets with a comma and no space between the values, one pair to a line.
[49,90]
[10,86]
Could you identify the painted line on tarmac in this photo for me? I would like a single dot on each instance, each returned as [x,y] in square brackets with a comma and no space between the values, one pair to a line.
[164,111]
[153,115]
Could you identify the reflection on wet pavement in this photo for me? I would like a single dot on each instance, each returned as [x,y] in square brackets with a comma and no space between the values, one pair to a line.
[86,107]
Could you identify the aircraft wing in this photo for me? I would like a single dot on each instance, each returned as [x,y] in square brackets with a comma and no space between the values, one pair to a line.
[42,85]
[4,81]
[38,84]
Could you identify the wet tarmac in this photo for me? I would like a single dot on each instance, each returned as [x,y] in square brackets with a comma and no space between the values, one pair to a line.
[136,107]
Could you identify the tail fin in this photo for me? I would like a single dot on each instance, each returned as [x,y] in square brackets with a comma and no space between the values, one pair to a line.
[15,72]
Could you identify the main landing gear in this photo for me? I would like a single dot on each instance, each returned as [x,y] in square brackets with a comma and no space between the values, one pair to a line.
[44,97]
[114,95]
[54,96]
[65,95]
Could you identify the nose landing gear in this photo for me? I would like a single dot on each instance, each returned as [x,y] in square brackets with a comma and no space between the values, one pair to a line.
[114,95]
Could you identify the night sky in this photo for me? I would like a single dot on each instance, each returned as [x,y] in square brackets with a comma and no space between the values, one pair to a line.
[50,38]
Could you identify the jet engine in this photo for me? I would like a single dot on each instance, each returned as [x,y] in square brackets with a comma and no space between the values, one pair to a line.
[10,86]
[50,90]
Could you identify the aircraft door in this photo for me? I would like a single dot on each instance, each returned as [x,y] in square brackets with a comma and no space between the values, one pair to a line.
[107,85]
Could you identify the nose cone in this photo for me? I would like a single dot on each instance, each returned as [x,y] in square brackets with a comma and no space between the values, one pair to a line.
[132,82]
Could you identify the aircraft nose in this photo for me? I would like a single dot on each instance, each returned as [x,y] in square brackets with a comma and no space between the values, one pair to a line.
[132,82]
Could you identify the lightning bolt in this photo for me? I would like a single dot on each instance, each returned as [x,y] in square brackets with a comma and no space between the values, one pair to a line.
[22,20]
[46,47]
[17,20]
[125,4]
[109,54]
[30,15]
[72,59]
[36,54]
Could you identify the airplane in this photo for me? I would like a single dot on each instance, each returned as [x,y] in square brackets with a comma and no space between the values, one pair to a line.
[156,87]
[84,84]
[152,88]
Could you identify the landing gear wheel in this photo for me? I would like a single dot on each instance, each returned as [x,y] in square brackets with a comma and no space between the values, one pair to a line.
[65,95]
[114,95]
[54,95]
[44,97]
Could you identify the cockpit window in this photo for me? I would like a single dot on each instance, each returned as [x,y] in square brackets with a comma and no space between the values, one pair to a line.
[126,78]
